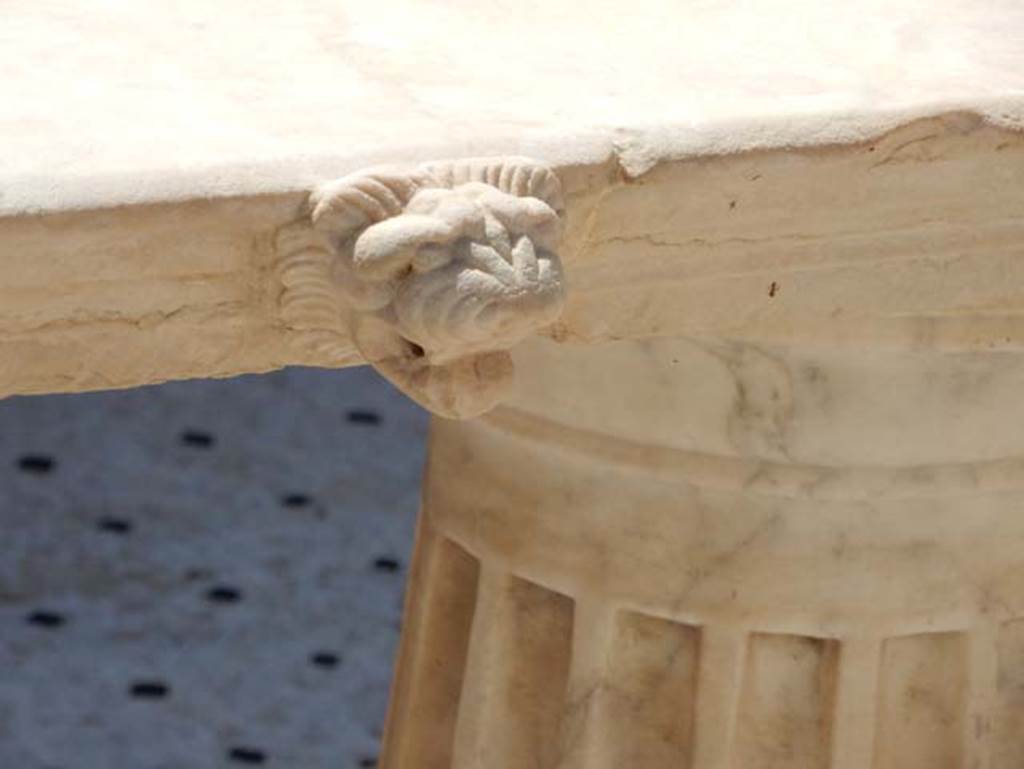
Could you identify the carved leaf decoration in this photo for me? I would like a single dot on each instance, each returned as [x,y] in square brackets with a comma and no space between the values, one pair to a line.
[438,272]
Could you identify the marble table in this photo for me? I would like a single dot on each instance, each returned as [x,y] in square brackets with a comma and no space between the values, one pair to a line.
[720,307]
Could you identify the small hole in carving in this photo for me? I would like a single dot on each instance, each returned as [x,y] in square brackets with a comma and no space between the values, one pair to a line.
[416,350]
[325,660]
[247,755]
[114,525]
[197,439]
[386,563]
[363,417]
[47,619]
[39,464]
[149,690]
[296,500]
[223,594]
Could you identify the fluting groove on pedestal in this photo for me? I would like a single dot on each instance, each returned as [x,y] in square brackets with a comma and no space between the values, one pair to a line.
[508,674]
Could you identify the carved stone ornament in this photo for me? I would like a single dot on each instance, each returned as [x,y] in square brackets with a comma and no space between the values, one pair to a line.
[434,272]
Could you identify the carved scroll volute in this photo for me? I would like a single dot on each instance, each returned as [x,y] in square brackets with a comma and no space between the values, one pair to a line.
[434,272]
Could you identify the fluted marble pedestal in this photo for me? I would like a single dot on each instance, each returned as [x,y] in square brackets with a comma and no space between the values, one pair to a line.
[676,554]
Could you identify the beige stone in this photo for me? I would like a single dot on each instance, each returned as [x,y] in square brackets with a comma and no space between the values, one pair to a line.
[433,273]
[733,291]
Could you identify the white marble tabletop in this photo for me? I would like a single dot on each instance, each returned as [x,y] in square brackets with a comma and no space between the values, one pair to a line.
[126,100]
[886,213]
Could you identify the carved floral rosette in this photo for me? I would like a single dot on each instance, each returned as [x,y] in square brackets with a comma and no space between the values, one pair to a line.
[433,272]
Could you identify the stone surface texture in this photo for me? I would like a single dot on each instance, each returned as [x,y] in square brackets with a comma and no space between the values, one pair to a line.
[225,572]
[753,497]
